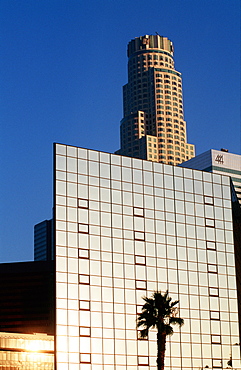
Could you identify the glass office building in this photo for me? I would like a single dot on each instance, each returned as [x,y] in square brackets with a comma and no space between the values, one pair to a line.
[124,228]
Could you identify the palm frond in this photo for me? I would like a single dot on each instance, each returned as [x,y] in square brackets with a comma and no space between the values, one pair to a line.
[143,333]
[169,330]
[174,303]
[176,321]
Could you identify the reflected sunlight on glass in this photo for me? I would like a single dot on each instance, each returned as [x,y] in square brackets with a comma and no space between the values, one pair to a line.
[29,350]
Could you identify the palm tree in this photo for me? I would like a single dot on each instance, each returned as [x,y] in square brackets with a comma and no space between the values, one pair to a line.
[159,312]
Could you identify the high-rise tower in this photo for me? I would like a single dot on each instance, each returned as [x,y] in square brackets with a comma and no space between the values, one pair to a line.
[153,126]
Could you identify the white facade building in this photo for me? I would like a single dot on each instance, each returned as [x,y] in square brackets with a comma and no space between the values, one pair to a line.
[124,228]
[219,161]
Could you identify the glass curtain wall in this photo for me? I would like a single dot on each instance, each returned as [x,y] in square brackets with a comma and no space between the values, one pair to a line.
[124,228]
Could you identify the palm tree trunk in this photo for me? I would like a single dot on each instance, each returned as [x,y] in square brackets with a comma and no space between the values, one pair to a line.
[161,348]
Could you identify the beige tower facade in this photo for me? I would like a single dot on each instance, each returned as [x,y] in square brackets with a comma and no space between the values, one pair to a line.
[153,126]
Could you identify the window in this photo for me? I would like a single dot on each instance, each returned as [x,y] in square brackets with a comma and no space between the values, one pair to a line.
[215,339]
[209,222]
[83,203]
[217,364]
[85,358]
[214,315]
[213,292]
[211,245]
[138,235]
[83,228]
[84,279]
[138,211]
[141,284]
[208,200]
[140,260]
[143,360]
[84,305]
[212,268]
[84,331]
[84,253]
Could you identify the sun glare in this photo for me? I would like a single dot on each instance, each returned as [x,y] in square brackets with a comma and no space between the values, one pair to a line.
[34,346]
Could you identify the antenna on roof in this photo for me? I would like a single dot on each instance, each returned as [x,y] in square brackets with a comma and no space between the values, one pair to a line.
[157,34]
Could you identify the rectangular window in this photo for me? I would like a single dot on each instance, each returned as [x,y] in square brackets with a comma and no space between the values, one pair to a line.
[211,245]
[83,203]
[84,305]
[84,253]
[208,200]
[83,228]
[213,292]
[140,260]
[214,315]
[216,339]
[84,279]
[84,331]
[138,235]
[209,222]
[213,268]
[217,363]
[138,211]
[141,284]
[143,360]
[85,358]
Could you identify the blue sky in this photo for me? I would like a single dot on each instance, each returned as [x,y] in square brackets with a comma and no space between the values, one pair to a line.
[63,65]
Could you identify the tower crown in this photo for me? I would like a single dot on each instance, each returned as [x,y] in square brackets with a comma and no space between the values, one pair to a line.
[147,42]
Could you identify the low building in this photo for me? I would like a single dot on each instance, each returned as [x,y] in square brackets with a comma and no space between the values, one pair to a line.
[27,297]
[26,351]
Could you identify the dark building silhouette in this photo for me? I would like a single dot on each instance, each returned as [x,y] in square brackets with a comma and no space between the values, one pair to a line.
[27,297]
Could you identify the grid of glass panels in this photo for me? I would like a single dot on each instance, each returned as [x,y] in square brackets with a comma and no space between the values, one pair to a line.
[124,228]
